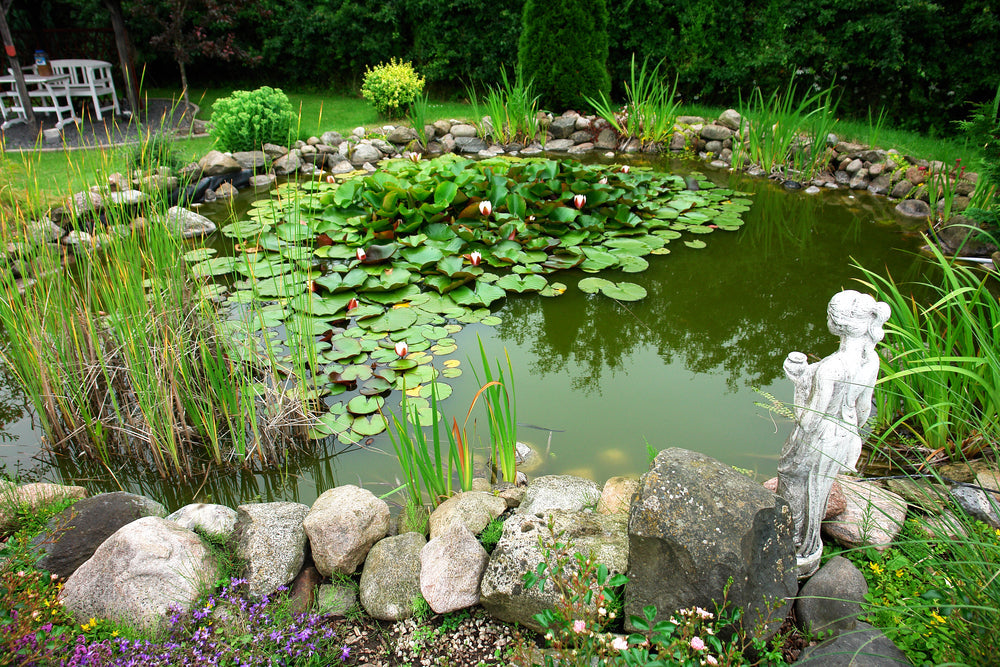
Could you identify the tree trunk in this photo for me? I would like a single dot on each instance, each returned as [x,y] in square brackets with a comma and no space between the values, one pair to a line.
[184,83]
[125,58]
[15,65]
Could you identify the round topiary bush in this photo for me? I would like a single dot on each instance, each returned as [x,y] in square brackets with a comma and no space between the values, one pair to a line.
[248,119]
[564,51]
[392,88]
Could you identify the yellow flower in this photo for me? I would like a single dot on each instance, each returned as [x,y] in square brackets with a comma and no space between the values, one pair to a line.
[936,617]
[899,573]
[875,567]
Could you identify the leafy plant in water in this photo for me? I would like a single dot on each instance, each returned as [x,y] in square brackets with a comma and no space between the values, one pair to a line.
[983,131]
[512,108]
[417,114]
[501,406]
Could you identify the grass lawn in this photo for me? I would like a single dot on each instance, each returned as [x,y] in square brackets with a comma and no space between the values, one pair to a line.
[35,180]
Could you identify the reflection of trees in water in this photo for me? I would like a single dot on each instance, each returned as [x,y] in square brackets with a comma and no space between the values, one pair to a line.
[737,307]
[13,402]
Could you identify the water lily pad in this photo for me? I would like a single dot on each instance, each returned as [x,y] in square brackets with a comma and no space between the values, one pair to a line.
[625,292]
[216,266]
[444,350]
[369,426]
[402,365]
[392,320]
[375,386]
[451,373]
[442,390]
[695,244]
[365,405]
[593,285]
[521,284]
[244,229]
[199,254]
[490,320]
[553,289]
[357,372]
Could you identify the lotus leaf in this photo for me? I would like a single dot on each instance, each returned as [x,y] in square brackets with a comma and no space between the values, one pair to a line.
[199,254]
[695,244]
[369,426]
[365,405]
[392,320]
[513,283]
[216,266]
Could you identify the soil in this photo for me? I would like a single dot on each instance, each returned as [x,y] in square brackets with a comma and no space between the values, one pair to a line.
[158,115]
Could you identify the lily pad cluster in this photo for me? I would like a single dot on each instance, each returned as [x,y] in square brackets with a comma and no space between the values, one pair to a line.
[371,277]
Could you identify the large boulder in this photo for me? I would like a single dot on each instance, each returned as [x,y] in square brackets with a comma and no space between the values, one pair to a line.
[342,526]
[288,163]
[363,153]
[217,163]
[616,496]
[140,573]
[250,160]
[559,492]
[390,580]
[865,646]
[695,525]
[451,567]
[521,549]
[873,516]
[72,536]
[472,509]
[961,234]
[562,127]
[31,497]
[188,224]
[272,541]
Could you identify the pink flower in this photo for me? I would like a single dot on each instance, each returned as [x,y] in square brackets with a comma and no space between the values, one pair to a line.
[579,201]
[624,169]
[361,254]
[579,626]
[352,304]
[402,348]
[697,644]
[330,178]
[619,644]
[475,257]
[604,180]
[485,208]
[710,659]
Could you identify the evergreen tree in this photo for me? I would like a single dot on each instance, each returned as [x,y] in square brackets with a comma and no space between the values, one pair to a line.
[564,51]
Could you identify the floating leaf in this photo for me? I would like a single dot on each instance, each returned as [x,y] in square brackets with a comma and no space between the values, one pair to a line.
[442,390]
[365,405]
[369,426]
[215,266]
[199,254]
[593,285]
[521,284]
[625,292]
[695,244]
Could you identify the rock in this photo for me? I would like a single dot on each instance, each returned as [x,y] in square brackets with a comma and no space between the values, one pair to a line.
[250,160]
[989,479]
[390,580]
[835,502]
[211,519]
[859,181]
[920,493]
[830,601]
[866,646]
[273,151]
[79,205]
[216,163]
[451,567]
[463,130]
[715,133]
[582,137]
[272,541]
[342,526]
[442,127]
[901,189]
[287,164]
[73,535]
[402,134]
[187,223]
[31,497]
[302,595]
[607,139]
[502,592]
[365,153]
[139,573]
[678,141]
[469,145]
[690,120]
[916,175]
[616,496]
[337,599]
[559,492]
[841,177]
[262,182]
[880,184]
[849,149]
[977,504]
[811,190]
[713,146]
[873,156]
[559,145]
[158,183]
[694,524]
[472,509]
[512,494]
[340,166]
[945,526]
[563,127]
[876,169]
[730,118]
[913,208]
[873,516]
[226,191]
[331,138]
[960,235]
[579,149]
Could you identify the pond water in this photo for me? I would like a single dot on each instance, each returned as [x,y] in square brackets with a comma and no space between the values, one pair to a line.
[598,380]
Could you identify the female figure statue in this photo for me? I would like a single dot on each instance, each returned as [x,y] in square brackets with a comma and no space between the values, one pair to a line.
[832,402]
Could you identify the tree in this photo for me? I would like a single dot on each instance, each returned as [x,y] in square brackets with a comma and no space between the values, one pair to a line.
[193,28]
[564,51]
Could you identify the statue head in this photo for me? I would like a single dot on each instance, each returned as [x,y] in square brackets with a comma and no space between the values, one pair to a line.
[854,314]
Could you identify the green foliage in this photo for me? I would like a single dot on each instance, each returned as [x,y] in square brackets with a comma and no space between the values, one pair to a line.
[392,88]
[983,131]
[650,107]
[564,49]
[512,107]
[155,149]
[491,534]
[248,119]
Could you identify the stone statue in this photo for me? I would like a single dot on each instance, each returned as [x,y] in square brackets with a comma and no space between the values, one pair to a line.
[832,402]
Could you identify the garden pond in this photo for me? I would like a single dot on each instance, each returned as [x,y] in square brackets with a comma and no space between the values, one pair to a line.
[598,380]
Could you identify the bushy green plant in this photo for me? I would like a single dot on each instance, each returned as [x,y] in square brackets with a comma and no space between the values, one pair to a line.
[392,88]
[248,119]
[564,49]
[983,131]
[650,108]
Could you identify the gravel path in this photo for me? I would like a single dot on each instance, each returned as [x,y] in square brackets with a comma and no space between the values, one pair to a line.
[112,130]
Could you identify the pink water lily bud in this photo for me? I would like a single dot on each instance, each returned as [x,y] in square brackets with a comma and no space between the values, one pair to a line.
[415,157]
[402,348]
[579,201]
[603,180]
[352,304]
[485,208]
[475,257]
[624,169]
[361,254]
[330,178]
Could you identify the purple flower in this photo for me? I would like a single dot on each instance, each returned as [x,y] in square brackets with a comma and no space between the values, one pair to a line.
[345,654]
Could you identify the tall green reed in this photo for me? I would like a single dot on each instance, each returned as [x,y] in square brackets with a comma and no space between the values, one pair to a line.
[782,135]
[497,391]
[651,105]
[941,365]
[512,108]
[417,114]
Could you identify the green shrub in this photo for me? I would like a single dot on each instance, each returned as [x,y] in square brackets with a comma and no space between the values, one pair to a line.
[392,88]
[247,119]
[564,49]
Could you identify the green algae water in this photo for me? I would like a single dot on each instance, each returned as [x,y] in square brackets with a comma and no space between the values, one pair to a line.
[598,381]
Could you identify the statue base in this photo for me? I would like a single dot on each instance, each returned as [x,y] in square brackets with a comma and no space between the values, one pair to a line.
[807,565]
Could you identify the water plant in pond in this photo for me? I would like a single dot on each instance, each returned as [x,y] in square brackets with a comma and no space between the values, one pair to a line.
[413,251]
[650,109]
[513,109]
